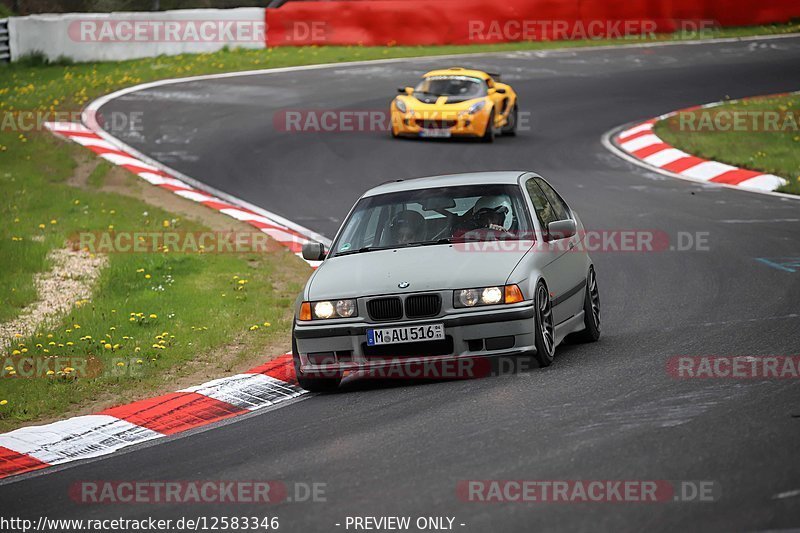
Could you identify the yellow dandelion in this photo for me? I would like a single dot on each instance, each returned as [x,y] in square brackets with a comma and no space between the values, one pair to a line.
[120,364]
[107,346]
[253,328]
[153,315]
[3,402]
[147,276]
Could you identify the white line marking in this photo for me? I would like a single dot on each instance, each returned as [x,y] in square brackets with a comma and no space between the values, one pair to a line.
[641,142]
[665,157]
[764,182]
[76,438]
[248,391]
[641,127]
[195,196]
[120,159]
[707,170]
[787,494]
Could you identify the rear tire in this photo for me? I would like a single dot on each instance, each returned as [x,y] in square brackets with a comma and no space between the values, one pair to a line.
[510,128]
[591,312]
[488,134]
[544,331]
[313,383]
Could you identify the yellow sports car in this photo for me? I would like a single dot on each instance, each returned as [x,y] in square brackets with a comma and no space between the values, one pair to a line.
[456,102]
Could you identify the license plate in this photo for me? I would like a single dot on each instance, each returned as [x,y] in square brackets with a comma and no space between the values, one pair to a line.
[427,332]
[435,133]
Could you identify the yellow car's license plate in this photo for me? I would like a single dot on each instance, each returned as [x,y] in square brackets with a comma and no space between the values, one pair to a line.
[435,133]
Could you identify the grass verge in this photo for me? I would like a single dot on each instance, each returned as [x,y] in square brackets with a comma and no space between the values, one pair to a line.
[739,133]
[155,320]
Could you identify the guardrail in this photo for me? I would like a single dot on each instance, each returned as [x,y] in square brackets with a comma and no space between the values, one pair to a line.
[5,42]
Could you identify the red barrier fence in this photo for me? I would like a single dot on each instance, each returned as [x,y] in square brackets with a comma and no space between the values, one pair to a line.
[423,22]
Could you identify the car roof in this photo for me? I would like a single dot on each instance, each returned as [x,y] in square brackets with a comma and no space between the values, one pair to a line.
[510,177]
[458,71]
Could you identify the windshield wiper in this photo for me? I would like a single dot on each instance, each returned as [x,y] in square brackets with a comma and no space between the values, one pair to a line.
[359,251]
[429,243]
[393,247]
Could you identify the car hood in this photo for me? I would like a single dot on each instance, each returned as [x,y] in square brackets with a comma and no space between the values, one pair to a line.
[442,105]
[432,99]
[424,268]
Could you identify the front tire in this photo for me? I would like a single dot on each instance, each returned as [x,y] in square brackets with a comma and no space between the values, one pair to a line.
[544,333]
[313,383]
[591,312]
[488,134]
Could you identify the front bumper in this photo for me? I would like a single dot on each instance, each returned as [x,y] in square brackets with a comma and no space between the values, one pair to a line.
[405,124]
[474,333]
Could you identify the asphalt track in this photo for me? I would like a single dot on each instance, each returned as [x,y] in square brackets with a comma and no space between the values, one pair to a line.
[602,411]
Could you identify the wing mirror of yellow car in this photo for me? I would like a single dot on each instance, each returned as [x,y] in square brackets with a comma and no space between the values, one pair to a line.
[406,90]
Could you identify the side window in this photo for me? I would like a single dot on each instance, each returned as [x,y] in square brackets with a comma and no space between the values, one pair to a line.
[559,206]
[544,211]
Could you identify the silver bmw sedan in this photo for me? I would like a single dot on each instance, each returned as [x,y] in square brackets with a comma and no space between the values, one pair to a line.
[446,269]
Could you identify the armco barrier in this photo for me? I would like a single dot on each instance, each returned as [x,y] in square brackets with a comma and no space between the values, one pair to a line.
[5,50]
[113,36]
[425,22]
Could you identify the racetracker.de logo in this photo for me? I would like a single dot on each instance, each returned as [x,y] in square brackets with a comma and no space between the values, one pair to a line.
[159,492]
[147,30]
[734,367]
[586,491]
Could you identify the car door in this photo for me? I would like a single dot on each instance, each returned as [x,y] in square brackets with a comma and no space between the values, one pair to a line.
[565,274]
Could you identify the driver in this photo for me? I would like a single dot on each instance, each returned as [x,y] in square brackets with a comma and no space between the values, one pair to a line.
[493,213]
[406,227]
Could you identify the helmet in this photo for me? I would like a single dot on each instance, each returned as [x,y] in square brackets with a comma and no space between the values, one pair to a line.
[406,227]
[493,210]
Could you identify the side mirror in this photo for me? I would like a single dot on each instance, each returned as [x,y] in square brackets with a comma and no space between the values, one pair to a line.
[314,251]
[562,229]
[405,90]
[500,90]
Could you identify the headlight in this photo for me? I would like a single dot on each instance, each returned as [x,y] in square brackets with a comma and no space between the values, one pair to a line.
[326,309]
[345,308]
[477,106]
[401,105]
[506,294]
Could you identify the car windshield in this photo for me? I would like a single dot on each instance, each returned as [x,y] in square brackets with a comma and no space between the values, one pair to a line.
[462,86]
[435,216]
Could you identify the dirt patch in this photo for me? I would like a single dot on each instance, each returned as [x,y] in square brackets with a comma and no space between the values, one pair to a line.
[71,279]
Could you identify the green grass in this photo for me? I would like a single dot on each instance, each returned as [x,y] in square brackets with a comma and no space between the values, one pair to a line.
[194,297]
[774,152]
